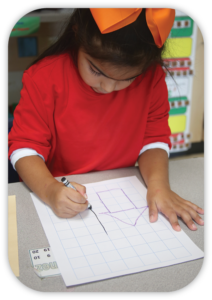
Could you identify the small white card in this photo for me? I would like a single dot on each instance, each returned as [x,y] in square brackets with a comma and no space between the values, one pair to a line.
[43,262]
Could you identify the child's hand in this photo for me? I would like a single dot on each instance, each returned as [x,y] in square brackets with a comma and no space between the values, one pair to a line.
[66,202]
[162,199]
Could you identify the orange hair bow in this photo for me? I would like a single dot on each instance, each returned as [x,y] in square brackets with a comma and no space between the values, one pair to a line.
[159,20]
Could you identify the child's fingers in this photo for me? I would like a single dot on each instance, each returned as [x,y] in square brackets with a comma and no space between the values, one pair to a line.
[187,218]
[75,196]
[67,215]
[194,215]
[153,211]
[76,207]
[198,209]
[172,217]
[81,189]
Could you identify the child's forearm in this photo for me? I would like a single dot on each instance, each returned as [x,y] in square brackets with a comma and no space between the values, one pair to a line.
[153,165]
[65,203]
[35,174]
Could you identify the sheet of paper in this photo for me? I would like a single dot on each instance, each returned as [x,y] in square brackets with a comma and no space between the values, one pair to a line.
[85,253]
[13,235]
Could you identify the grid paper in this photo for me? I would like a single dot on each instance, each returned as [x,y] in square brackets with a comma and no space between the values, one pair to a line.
[85,253]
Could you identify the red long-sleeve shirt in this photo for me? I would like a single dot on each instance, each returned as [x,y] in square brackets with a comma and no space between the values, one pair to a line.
[77,130]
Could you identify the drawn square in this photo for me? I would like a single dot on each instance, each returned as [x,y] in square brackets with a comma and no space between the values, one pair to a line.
[133,262]
[151,237]
[106,246]
[115,208]
[109,202]
[70,243]
[90,249]
[158,246]
[172,243]
[165,234]
[66,234]
[74,252]
[149,259]
[131,231]
[121,243]
[78,262]
[101,269]
[122,199]
[144,228]
[127,252]
[85,240]
[142,249]
[136,240]
[105,195]
[80,231]
[117,266]
[84,273]
[117,193]
[111,256]
[96,229]
[95,259]
[180,252]
[61,226]
[158,226]
[99,238]
[116,234]
[165,255]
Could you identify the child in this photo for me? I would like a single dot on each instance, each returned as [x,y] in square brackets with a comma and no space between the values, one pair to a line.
[97,100]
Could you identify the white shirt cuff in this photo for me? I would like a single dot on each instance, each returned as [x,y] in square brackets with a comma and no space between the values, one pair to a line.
[22,152]
[160,145]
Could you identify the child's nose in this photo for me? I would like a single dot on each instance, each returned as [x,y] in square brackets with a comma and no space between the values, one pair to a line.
[108,85]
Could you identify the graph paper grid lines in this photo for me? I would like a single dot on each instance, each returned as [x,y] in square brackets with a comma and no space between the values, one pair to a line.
[85,253]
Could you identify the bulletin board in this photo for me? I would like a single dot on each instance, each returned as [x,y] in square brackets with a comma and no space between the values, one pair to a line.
[179,60]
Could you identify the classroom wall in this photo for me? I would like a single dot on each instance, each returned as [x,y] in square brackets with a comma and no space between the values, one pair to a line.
[197,103]
[51,25]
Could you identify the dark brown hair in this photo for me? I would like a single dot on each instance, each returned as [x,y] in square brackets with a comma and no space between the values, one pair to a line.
[132,45]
